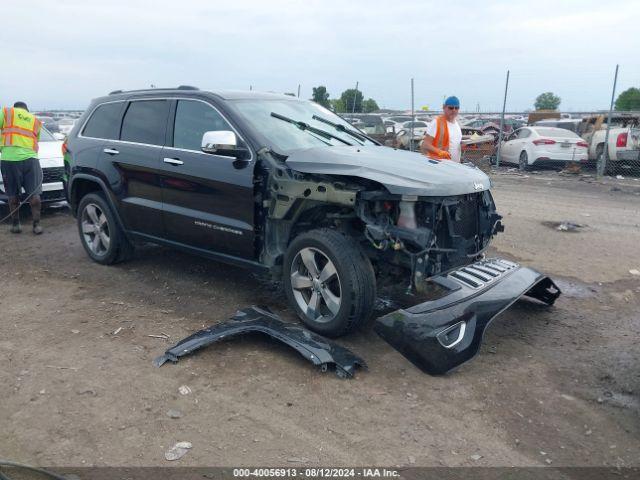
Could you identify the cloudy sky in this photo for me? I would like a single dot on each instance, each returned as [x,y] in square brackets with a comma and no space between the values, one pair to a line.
[62,53]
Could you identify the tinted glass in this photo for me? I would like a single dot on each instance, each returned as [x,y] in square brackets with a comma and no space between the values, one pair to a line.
[523,133]
[104,122]
[192,120]
[145,122]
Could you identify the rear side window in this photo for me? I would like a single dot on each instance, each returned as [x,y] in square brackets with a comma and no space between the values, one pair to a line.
[104,122]
[523,133]
[193,119]
[145,122]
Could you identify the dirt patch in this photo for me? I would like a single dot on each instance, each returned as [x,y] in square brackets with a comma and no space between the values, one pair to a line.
[79,387]
[569,227]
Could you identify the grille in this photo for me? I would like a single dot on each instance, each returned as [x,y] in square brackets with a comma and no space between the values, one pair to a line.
[466,217]
[53,174]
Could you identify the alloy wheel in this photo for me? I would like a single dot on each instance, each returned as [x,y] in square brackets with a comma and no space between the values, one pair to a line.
[316,285]
[95,229]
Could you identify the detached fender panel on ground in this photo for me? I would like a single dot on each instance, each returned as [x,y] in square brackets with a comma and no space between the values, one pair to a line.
[315,348]
[441,334]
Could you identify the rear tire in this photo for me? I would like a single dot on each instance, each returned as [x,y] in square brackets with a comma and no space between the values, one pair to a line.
[100,234]
[329,282]
[523,161]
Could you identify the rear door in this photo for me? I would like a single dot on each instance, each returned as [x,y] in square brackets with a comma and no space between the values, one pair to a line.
[136,159]
[208,200]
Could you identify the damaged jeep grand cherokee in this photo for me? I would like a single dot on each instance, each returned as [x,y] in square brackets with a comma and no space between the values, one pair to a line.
[287,187]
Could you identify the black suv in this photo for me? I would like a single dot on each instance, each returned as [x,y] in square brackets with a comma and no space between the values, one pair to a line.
[276,184]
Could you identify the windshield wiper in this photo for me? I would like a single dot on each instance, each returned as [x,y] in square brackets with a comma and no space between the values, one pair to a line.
[342,128]
[306,127]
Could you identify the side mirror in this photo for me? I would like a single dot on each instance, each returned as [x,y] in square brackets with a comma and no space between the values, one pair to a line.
[223,142]
[58,136]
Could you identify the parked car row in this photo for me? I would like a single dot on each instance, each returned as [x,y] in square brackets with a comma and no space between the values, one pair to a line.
[623,149]
[58,124]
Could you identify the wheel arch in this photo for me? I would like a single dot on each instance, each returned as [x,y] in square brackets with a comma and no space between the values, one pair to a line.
[82,184]
[305,216]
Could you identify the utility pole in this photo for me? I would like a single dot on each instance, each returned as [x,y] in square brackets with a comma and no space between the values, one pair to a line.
[602,161]
[413,117]
[355,98]
[504,105]
[298,90]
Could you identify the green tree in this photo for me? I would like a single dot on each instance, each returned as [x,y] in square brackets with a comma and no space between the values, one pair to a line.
[370,105]
[629,99]
[337,105]
[547,101]
[348,98]
[321,96]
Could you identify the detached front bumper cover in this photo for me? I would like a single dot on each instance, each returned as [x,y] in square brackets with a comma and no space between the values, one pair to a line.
[315,348]
[441,334]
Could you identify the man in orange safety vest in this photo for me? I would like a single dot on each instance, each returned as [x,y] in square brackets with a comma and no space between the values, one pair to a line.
[443,136]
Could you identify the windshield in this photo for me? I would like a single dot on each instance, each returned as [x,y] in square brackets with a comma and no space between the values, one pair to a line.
[283,136]
[45,136]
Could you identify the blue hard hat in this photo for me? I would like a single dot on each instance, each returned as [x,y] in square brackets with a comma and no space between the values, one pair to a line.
[452,101]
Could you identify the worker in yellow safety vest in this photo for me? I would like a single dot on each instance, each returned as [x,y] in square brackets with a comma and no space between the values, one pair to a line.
[443,137]
[20,132]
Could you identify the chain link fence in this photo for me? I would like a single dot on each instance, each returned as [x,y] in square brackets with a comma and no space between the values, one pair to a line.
[573,141]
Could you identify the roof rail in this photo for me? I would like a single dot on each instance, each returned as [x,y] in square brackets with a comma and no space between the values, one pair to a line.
[180,87]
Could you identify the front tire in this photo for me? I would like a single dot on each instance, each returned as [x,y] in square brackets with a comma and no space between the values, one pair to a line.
[101,236]
[329,282]
[524,161]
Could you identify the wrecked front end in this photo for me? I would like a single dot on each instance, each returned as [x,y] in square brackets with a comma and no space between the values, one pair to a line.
[426,236]
[425,227]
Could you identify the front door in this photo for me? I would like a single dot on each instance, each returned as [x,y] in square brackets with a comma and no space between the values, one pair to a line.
[208,200]
[508,148]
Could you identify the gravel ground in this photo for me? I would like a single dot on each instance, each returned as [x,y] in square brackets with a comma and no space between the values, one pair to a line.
[553,386]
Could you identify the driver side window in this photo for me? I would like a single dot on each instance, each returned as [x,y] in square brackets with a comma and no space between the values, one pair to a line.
[193,119]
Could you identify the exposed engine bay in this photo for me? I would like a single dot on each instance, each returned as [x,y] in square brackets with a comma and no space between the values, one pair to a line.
[429,235]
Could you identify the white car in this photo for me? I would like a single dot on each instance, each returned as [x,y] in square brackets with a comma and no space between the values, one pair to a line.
[404,135]
[548,146]
[66,125]
[52,163]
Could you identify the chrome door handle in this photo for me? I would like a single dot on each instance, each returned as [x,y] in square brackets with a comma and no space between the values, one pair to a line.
[111,151]
[173,161]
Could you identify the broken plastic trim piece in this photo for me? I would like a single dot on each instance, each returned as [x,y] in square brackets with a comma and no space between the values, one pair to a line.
[441,334]
[315,348]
